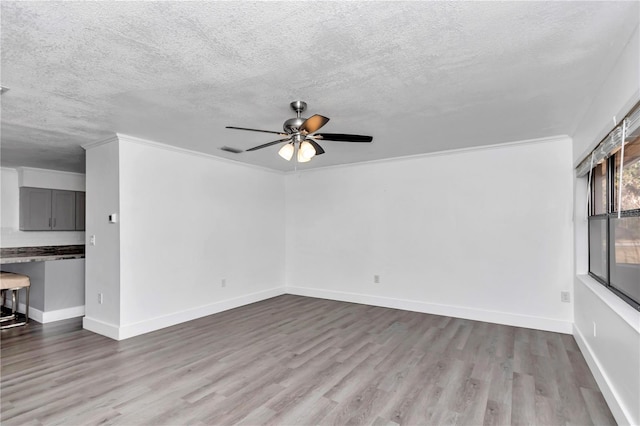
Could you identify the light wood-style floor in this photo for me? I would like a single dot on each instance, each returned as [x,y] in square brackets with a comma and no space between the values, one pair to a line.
[294,360]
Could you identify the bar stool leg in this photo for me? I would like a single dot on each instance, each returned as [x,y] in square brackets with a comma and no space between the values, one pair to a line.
[4,302]
[26,309]
[15,299]
[13,283]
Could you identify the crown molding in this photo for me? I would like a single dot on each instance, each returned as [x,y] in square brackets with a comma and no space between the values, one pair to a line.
[22,169]
[93,144]
[38,170]
[547,139]
[140,141]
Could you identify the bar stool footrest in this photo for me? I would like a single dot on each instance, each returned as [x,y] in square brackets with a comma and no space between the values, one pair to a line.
[15,324]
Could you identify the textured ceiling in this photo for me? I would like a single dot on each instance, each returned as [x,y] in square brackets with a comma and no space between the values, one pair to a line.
[417,76]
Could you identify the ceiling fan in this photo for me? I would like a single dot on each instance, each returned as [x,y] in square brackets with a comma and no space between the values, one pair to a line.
[300,135]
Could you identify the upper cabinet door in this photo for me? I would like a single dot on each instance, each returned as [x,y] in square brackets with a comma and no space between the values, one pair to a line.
[80,197]
[35,209]
[63,208]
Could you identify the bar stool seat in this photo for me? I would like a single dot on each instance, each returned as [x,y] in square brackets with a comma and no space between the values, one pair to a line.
[12,282]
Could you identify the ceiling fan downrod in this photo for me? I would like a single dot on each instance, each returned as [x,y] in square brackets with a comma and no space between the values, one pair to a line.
[298,107]
[292,125]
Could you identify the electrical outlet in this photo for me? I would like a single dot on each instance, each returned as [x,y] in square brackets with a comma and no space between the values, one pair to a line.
[92,240]
[565,297]
[376,279]
[223,282]
[100,298]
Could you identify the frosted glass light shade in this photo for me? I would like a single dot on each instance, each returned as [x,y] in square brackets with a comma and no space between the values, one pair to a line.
[302,158]
[307,150]
[286,151]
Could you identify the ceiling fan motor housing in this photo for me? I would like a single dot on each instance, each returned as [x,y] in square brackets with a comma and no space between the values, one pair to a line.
[293,124]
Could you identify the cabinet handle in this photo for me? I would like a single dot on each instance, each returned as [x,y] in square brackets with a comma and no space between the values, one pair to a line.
[49,222]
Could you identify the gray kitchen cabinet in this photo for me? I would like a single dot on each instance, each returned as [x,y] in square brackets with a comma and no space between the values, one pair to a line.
[63,210]
[35,209]
[44,209]
[80,208]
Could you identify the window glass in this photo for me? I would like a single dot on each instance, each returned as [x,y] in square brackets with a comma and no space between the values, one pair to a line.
[599,184]
[625,255]
[598,247]
[630,176]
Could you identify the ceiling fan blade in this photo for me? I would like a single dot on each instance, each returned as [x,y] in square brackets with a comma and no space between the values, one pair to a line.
[268,144]
[342,137]
[315,146]
[313,124]
[256,130]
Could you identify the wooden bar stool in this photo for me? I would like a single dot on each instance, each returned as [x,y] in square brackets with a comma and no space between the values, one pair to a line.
[13,283]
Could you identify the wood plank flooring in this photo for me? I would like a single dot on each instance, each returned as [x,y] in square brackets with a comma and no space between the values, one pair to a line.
[294,360]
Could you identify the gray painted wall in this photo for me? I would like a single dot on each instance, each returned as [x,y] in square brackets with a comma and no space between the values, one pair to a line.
[56,284]
[36,273]
[64,286]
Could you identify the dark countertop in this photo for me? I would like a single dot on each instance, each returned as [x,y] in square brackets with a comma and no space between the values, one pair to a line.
[39,254]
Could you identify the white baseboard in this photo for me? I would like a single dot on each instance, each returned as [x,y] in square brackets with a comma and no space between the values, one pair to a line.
[50,316]
[506,318]
[100,327]
[620,413]
[34,314]
[130,330]
[61,314]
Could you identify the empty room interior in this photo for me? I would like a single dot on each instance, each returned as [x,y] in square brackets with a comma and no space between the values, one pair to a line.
[301,213]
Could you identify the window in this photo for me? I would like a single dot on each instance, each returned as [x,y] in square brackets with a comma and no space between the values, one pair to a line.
[600,193]
[614,214]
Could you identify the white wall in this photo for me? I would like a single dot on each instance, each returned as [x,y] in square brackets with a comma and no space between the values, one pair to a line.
[102,262]
[484,234]
[187,221]
[10,181]
[613,353]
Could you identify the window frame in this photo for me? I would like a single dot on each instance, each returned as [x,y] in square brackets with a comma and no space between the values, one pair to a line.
[610,214]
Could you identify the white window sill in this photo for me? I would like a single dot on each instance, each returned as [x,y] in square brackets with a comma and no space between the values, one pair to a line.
[616,304]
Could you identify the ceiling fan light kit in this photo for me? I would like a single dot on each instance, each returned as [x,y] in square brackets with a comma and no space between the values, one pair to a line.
[300,135]
[301,158]
[286,151]
[307,150]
